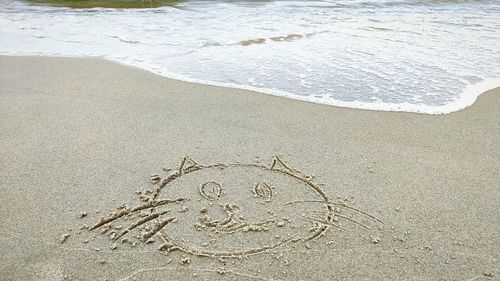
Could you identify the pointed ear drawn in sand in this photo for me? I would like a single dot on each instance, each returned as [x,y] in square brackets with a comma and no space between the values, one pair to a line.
[278,164]
[188,165]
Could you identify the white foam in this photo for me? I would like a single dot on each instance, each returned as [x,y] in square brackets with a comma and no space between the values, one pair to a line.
[358,54]
[468,96]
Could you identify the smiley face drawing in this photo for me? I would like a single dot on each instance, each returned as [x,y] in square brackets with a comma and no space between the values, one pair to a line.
[227,210]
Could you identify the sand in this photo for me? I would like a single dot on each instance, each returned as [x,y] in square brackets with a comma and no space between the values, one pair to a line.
[229,171]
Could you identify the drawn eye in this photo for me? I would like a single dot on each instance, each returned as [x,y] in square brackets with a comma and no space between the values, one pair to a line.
[211,190]
[263,190]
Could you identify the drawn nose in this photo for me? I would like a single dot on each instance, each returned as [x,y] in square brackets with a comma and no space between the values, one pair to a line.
[230,207]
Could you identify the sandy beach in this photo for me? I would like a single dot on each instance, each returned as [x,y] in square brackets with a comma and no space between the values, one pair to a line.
[241,185]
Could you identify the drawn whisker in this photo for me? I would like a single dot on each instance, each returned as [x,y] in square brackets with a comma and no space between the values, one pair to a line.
[318,212]
[139,223]
[339,205]
[110,219]
[321,228]
[316,220]
[124,212]
[340,216]
[157,228]
[323,222]
[356,210]
[353,221]
[319,233]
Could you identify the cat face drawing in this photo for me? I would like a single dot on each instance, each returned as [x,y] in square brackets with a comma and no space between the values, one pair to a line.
[226,210]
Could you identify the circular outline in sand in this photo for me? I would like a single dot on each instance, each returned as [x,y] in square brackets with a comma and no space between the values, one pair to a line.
[171,244]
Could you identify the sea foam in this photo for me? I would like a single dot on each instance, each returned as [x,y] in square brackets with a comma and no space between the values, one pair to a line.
[415,56]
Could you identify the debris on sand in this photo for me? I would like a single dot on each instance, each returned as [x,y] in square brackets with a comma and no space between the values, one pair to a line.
[375,240]
[185,261]
[64,237]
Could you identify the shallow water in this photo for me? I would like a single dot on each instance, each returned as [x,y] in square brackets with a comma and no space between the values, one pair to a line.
[416,56]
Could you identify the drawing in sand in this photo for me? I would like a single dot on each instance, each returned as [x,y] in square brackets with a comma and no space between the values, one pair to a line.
[228,210]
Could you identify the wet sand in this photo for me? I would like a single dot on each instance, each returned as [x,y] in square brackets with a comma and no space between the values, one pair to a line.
[80,137]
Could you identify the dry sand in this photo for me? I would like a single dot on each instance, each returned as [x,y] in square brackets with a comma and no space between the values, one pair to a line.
[79,137]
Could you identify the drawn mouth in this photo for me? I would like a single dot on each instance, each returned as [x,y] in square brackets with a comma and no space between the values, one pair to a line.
[232,225]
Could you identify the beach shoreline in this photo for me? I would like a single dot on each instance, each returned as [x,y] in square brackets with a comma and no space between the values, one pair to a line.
[81,135]
[465,99]
[342,57]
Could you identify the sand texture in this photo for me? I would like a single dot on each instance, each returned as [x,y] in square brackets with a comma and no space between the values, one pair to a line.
[112,173]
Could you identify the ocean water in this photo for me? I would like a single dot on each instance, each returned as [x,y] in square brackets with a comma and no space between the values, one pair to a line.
[421,56]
